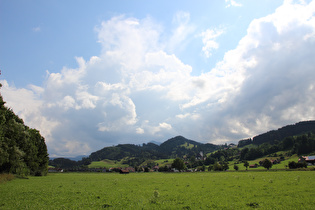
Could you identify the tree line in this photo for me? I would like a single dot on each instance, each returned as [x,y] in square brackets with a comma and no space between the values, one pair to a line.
[273,136]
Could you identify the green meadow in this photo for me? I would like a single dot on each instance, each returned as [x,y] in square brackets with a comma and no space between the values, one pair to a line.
[202,190]
[107,164]
[116,164]
[282,165]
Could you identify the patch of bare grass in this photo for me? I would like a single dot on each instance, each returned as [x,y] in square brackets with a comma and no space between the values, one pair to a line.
[6,177]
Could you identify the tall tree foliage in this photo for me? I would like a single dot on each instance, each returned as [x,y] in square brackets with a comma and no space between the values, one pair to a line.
[23,150]
[286,131]
[178,164]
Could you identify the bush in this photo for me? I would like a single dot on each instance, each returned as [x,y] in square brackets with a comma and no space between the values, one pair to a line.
[267,164]
[178,164]
[294,165]
[201,168]
[217,167]
[38,173]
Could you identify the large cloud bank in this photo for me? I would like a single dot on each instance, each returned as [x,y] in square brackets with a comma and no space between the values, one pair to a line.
[137,90]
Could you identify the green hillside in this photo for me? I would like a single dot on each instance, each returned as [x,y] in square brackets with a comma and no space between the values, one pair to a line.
[197,155]
[107,164]
[174,147]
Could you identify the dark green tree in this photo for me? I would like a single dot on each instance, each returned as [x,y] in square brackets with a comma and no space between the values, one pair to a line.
[209,160]
[267,164]
[243,153]
[22,150]
[246,164]
[287,143]
[217,167]
[178,164]
[192,160]
[225,166]
[294,165]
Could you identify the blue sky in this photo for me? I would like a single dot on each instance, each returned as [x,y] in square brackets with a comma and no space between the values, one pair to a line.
[100,73]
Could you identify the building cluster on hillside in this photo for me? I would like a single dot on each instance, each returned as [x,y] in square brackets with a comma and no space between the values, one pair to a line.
[310,160]
[55,170]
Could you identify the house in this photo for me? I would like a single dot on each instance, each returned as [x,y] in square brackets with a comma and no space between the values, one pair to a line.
[156,168]
[310,160]
[174,170]
[253,166]
[55,170]
[200,156]
[130,169]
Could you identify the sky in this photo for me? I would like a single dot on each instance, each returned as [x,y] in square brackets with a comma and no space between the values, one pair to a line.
[92,74]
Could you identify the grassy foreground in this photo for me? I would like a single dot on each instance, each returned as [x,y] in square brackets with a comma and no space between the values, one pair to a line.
[205,190]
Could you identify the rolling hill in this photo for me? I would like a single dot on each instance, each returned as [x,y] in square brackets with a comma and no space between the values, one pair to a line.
[298,139]
[280,134]
[174,147]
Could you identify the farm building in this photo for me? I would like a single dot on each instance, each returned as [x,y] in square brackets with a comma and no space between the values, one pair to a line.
[130,169]
[310,160]
[55,170]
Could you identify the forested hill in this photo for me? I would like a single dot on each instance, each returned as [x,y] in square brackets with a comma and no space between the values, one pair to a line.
[23,150]
[295,139]
[275,136]
[177,146]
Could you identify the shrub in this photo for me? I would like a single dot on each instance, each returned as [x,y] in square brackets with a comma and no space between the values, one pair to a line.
[267,164]
[294,165]
[201,168]
[217,167]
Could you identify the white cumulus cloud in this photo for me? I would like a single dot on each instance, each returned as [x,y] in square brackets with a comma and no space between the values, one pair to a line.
[137,88]
[209,40]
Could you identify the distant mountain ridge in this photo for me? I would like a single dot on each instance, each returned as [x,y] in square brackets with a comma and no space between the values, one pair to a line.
[155,142]
[76,158]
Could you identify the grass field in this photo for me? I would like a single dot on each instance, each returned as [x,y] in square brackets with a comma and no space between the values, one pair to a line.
[107,164]
[162,162]
[116,164]
[281,165]
[204,190]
